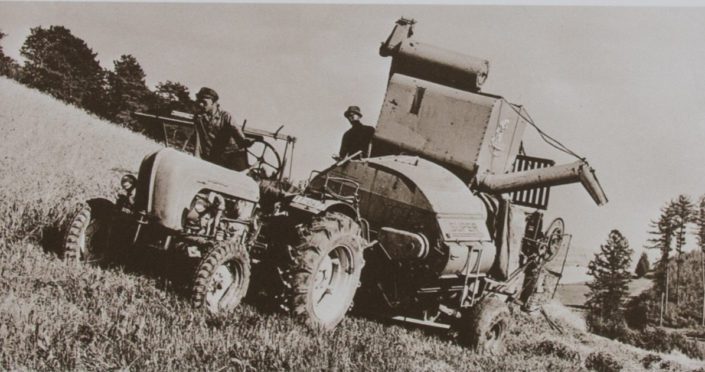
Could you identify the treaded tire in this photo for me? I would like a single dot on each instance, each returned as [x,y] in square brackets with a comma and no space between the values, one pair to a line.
[325,271]
[222,277]
[88,235]
[483,327]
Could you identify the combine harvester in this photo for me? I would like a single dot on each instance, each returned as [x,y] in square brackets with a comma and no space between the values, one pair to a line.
[446,213]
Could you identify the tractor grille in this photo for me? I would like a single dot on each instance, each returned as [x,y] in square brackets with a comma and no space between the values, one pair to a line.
[143,180]
[536,197]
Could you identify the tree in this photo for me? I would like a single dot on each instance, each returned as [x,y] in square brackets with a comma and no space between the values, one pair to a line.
[2,52]
[127,91]
[8,66]
[609,287]
[643,266]
[700,235]
[683,215]
[173,96]
[663,233]
[59,63]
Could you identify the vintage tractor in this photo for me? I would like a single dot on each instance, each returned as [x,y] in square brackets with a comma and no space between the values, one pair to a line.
[442,224]
[193,211]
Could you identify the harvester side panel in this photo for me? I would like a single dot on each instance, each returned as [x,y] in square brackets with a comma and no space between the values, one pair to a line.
[416,195]
[469,131]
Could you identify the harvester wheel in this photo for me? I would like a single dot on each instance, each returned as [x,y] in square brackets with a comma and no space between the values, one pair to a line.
[554,240]
[325,271]
[88,236]
[483,327]
[222,277]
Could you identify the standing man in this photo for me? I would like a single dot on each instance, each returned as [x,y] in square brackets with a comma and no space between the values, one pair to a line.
[356,138]
[218,137]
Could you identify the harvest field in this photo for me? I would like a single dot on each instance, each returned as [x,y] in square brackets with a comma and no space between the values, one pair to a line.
[56,315]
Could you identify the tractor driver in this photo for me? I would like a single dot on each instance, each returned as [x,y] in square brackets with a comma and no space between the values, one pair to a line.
[356,138]
[218,137]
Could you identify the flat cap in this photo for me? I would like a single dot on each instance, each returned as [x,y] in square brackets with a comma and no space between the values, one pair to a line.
[206,92]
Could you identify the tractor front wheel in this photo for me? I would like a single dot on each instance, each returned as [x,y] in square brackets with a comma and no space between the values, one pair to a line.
[222,277]
[483,327]
[325,271]
[88,236]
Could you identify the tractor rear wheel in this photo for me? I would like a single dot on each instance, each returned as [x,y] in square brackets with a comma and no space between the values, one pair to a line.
[88,236]
[325,270]
[483,327]
[222,277]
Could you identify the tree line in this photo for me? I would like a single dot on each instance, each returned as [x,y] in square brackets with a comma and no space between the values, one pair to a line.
[679,276]
[677,295]
[64,66]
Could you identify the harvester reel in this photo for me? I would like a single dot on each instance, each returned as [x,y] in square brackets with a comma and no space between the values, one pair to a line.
[265,160]
[553,239]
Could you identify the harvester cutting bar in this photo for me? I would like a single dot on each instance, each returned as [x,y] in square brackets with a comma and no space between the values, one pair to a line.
[187,121]
[578,171]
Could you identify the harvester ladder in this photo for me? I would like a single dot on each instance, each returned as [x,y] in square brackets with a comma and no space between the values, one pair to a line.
[469,274]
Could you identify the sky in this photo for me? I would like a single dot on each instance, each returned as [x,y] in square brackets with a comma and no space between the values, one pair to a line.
[621,86]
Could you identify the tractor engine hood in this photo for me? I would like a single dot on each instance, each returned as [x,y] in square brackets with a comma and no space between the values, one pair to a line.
[174,178]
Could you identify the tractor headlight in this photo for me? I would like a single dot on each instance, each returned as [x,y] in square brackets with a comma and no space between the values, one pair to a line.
[244,209]
[128,182]
[200,205]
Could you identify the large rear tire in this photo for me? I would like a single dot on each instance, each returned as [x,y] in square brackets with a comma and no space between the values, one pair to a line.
[325,271]
[483,327]
[222,277]
[88,236]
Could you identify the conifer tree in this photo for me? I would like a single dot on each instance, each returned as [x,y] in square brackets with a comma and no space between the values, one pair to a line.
[127,91]
[663,234]
[700,235]
[683,215]
[609,287]
[642,266]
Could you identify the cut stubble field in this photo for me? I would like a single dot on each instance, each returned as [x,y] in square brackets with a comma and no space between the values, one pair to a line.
[57,315]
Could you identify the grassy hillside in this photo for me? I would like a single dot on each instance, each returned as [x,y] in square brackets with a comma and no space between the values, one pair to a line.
[57,315]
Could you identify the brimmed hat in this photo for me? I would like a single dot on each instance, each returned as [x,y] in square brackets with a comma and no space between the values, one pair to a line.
[352,110]
[206,92]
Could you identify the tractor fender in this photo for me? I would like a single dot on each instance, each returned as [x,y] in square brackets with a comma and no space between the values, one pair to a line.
[101,207]
[317,207]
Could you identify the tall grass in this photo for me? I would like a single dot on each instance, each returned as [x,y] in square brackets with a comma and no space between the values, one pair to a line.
[56,315]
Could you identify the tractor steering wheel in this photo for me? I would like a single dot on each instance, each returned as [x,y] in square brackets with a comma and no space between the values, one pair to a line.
[264,159]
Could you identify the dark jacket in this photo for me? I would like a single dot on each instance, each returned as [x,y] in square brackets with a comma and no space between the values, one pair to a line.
[220,140]
[356,139]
